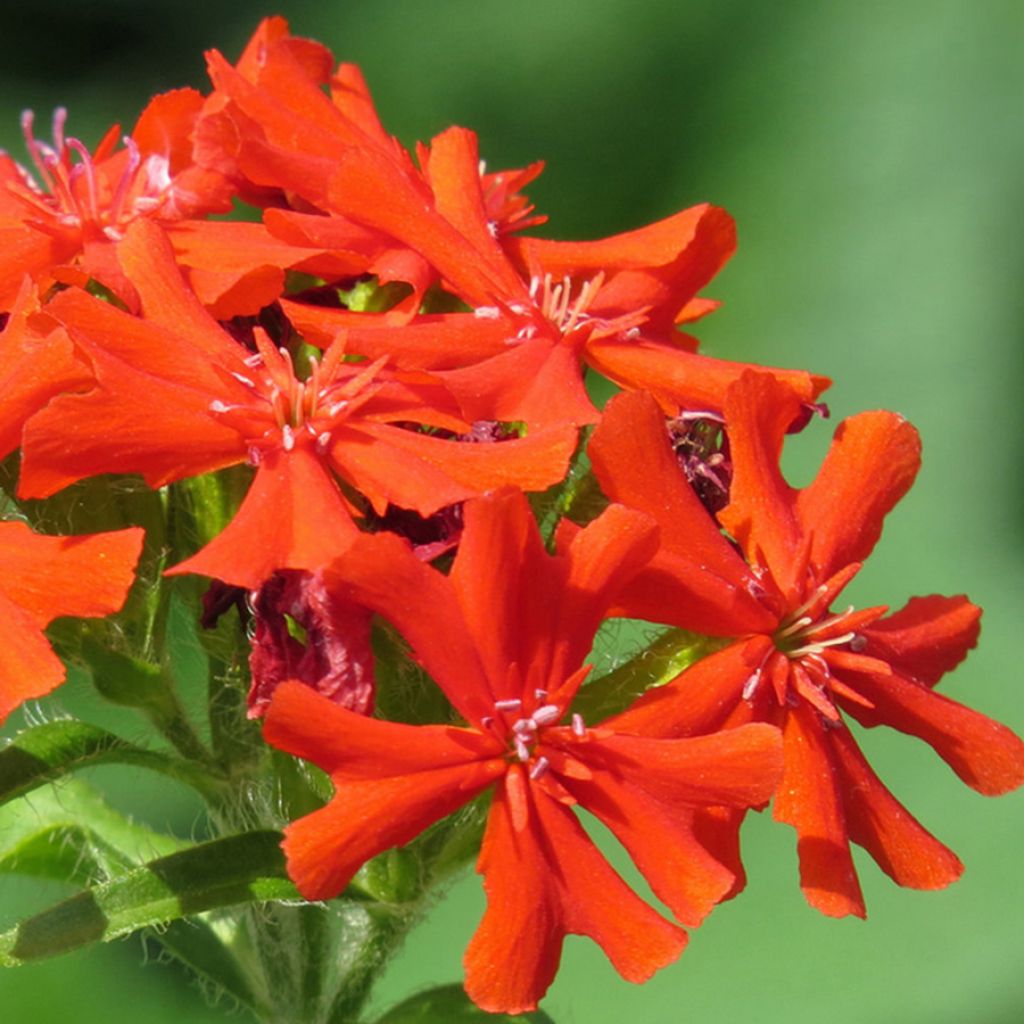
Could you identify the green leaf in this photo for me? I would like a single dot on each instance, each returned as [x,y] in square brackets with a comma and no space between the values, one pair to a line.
[198,945]
[225,872]
[46,752]
[67,832]
[450,1005]
[657,664]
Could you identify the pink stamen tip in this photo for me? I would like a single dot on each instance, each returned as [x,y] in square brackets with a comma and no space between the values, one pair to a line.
[508,705]
[524,727]
[522,750]
[547,714]
[578,725]
[540,768]
[540,694]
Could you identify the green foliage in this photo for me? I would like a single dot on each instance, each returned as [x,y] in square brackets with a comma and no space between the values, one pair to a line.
[224,872]
[46,752]
[658,663]
[449,1004]
[68,833]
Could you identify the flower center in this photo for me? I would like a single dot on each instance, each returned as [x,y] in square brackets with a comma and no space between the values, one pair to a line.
[282,408]
[813,648]
[522,731]
[557,303]
[71,189]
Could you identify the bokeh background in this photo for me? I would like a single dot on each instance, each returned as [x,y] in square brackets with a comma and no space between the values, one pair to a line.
[872,154]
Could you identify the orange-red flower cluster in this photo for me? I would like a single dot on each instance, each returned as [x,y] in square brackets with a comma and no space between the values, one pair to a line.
[390,355]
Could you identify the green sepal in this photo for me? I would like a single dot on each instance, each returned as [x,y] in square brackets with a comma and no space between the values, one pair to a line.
[658,663]
[368,295]
[245,868]
[404,692]
[393,877]
[46,752]
[134,683]
[449,1004]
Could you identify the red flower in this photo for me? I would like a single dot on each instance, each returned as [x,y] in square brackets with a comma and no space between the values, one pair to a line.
[37,362]
[43,578]
[798,663]
[541,309]
[176,397]
[504,636]
[60,221]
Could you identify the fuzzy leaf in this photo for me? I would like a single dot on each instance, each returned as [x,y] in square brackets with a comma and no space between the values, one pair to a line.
[46,752]
[67,832]
[224,872]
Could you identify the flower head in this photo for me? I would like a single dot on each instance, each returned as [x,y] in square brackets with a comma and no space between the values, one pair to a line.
[800,660]
[504,636]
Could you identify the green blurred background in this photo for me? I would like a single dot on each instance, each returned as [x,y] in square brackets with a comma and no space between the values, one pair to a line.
[872,154]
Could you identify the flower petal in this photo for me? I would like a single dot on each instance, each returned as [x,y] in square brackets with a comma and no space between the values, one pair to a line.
[872,463]
[382,572]
[681,379]
[350,746]
[926,638]
[293,517]
[697,581]
[903,849]
[761,513]
[698,700]
[544,881]
[28,666]
[810,799]
[367,816]
[85,576]
[988,756]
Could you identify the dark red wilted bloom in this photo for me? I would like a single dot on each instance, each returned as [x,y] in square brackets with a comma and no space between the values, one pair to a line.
[797,662]
[43,578]
[504,636]
[332,655]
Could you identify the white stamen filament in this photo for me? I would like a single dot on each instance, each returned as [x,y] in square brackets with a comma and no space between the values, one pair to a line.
[819,645]
[795,627]
[750,686]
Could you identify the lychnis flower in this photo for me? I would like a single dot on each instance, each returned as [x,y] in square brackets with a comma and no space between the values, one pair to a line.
[798,661]
[504,636]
